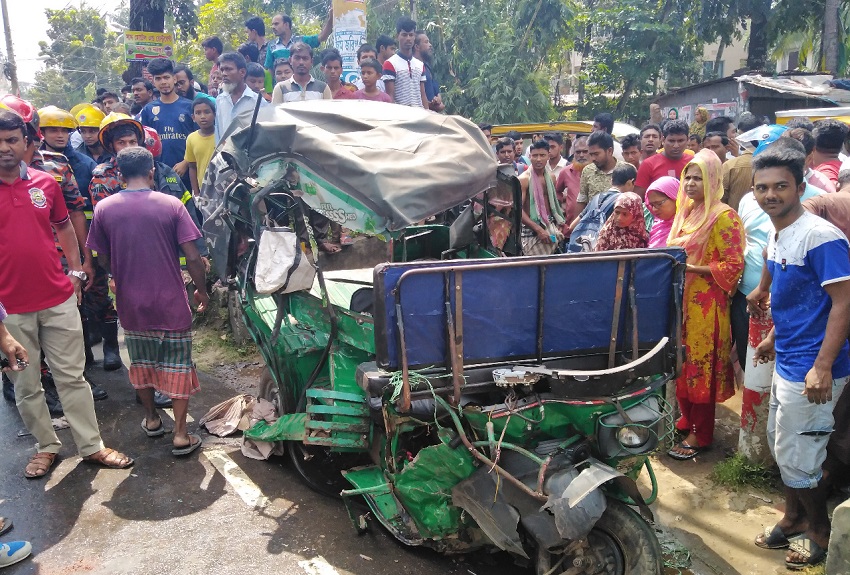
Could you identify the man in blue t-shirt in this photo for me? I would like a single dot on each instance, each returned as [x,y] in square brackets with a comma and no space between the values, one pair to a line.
[171,116]
[808,260]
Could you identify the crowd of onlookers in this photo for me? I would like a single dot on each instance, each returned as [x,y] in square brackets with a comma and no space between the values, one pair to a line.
[65,168]
[763,213]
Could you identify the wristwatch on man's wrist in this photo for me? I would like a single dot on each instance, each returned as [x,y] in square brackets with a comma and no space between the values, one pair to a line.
[79,274]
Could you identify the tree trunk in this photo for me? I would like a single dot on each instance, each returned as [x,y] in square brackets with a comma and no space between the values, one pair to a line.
[624,97]
[145,16]
[829,43]
[630,84]
[719,58]
[585,52]
[757,50]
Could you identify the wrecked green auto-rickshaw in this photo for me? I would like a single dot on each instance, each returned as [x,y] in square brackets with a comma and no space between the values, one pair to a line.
[462,398]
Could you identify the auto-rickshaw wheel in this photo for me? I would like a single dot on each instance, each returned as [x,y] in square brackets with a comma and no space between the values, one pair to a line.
[621,543]
[319,467]
[269,390]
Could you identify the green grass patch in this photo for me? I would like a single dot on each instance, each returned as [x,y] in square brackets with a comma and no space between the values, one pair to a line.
[738,472]
[212,347]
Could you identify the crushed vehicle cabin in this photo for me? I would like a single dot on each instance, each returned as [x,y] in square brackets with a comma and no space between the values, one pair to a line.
[461,396]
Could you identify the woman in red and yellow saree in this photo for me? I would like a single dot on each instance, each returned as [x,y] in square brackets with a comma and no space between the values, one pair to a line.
[713,237]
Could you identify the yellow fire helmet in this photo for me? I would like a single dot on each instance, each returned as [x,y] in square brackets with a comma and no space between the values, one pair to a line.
[115,119]
[53,117]
[89,117]
[77,107]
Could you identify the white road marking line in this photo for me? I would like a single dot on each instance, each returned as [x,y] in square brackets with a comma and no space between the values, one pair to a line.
[170,413]
[318,566]
[247,489]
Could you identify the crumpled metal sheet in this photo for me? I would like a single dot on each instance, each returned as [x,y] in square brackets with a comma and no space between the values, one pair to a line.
[576,504]
[497,519]
[425,485]
[588,480]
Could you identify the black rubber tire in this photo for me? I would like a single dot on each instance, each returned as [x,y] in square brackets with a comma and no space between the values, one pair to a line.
[319,467]
[629,541]
[269,391]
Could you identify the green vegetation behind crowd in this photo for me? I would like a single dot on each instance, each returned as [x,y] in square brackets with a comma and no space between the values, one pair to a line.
[500,61]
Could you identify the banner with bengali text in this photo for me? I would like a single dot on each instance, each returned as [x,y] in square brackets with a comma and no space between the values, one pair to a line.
[142,46]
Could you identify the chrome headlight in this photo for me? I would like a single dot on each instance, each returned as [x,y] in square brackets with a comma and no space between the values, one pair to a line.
[632,436]
[637,433]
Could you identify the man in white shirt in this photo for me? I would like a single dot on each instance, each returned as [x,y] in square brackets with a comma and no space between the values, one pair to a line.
[302,85]
[235,99]
[557,161]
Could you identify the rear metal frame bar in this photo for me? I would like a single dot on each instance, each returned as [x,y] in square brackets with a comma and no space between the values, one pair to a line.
[615,321]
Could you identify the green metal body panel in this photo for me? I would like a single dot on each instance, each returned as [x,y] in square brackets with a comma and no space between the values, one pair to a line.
[371,483]
[425,485]
[292,427]
[342,410]
[430,242]
[336,412]
[553,421]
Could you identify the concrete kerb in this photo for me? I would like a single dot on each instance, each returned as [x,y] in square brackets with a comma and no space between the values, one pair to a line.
[838,560]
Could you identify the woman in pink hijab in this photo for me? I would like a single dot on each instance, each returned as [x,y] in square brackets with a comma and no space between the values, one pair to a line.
[661,201]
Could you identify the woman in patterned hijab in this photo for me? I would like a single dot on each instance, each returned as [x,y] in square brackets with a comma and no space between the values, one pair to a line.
[625,229]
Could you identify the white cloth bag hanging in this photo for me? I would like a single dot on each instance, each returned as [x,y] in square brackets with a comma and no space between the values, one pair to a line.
[281,265]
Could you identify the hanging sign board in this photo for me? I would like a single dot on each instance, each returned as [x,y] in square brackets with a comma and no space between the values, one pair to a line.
[144,46]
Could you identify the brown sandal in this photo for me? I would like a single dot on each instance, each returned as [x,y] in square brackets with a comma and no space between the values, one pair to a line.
[5,526]
[39,465]
[109,458]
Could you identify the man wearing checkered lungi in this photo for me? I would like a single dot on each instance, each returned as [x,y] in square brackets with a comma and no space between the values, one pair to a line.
[139,234]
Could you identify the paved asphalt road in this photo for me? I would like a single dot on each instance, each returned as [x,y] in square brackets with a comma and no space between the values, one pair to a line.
[169,516]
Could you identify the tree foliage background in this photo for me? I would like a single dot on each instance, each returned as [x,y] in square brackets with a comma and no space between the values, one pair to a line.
[498,60]
[494,58]
[226,19]
[82,53]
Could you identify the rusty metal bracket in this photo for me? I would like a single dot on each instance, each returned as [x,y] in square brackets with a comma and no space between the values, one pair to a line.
[615,322]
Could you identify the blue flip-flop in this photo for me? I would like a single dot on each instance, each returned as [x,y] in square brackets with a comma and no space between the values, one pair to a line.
[813,553]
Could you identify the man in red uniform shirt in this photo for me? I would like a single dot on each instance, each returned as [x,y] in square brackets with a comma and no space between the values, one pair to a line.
[58,166]
[42,302]
[670,162]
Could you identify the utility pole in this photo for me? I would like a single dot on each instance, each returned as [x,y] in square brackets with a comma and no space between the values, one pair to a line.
[10,51]
[412,9]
